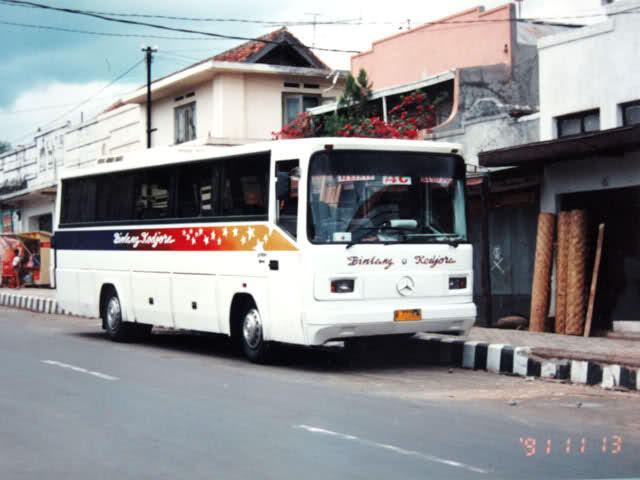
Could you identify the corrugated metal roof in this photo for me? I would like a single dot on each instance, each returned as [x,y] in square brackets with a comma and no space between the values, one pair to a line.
[566,148]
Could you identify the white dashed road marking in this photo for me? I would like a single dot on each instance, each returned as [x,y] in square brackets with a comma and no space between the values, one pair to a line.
[103,376]
[392,448]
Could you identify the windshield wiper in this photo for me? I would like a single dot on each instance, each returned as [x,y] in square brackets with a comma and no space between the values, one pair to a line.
[360,233]
[445,238]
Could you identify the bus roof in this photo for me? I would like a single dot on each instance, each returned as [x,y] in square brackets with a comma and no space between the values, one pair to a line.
[281,150]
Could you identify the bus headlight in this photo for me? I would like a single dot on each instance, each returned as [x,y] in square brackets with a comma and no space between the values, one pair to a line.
[342,285]
[457,283]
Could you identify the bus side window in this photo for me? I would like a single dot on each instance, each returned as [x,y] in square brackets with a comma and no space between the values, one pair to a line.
[287,171]
[152,199]
[244,186]
[196,190]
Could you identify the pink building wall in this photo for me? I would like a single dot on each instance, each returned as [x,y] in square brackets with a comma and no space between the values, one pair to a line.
[434,48]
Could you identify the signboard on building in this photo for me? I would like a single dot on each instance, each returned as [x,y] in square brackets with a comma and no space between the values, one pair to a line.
[7,224]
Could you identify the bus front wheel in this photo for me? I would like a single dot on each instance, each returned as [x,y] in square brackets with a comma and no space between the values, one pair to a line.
[251,336]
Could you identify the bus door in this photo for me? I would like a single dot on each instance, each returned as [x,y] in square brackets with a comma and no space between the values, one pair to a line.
[284,265]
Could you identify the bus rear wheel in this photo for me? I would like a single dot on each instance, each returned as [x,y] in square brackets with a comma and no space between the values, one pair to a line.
[251,336]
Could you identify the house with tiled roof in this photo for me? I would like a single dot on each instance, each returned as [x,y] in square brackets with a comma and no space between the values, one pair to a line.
[238,96]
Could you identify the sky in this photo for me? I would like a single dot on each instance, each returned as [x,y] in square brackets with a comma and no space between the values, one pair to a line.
[48,77]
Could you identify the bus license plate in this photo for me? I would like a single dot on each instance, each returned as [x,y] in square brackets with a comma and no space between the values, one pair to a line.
[407,315]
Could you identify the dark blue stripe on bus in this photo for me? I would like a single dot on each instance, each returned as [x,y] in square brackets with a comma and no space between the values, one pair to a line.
[88,240]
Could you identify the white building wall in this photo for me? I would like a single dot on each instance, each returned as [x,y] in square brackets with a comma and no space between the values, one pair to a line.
[590,174]
[231,108]
[490,133]
[592,67]
[110,133]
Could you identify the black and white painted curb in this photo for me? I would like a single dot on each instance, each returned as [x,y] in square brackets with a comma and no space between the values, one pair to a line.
[31,302]
[513,360]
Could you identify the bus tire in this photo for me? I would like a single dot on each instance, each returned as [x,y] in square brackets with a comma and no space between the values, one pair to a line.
[251,335]
[117,330]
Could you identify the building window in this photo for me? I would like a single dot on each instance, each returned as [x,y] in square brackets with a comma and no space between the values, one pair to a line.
[579,123]
[295,103]
[631,113]
[186,122]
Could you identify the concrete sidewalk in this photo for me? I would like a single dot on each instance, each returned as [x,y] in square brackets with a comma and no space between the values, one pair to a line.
[30,291]
[41,300]
[610,363]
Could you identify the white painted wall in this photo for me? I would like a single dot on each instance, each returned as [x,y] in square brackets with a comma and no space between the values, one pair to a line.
[490,133]
[110,133]
[593,173]
[592,67]
[232,107]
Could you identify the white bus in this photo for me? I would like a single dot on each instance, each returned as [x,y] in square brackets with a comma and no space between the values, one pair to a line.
[298,241]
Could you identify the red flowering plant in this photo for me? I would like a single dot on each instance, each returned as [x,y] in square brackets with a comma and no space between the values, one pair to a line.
[300,127]
[409,119]
[413,116]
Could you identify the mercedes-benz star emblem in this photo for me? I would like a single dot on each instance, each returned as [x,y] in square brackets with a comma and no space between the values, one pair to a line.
[404,261]
[406,286]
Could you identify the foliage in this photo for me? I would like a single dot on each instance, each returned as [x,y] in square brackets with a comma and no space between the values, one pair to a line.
[413,114]
[4,146]
[354,116]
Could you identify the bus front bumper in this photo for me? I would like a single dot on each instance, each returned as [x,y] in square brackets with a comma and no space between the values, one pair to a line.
[369,320]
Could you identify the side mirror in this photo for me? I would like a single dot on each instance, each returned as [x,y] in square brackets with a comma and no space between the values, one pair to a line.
[282,185]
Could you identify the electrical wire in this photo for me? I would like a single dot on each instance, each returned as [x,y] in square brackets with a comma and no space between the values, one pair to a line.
[347,22]
[87,100]
[103,34]
[58,106]
[157,26]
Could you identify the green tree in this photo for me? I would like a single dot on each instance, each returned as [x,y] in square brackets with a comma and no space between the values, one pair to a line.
[4,146]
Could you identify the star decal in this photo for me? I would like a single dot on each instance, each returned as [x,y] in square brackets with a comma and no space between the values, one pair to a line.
[235,232]
[219,241]
[206,240]
[225,231]
[259,246]
[251,232]
[213,234]
[243,240]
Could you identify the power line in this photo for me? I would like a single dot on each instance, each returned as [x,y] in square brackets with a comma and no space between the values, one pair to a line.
[208,19]
[55,107]
[103,34]
[347,22]
[87,100]
[153,25]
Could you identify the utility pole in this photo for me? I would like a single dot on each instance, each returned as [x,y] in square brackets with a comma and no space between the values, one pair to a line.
[149,51]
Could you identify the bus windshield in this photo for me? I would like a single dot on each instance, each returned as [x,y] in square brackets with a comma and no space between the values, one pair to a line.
[386,197]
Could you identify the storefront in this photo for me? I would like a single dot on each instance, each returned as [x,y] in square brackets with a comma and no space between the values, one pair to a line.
[30,211]
[600,174]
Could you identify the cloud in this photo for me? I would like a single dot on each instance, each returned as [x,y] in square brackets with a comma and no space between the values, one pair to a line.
[49,105]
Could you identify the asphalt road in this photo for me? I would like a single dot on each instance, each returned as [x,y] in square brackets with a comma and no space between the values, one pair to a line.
[75,406]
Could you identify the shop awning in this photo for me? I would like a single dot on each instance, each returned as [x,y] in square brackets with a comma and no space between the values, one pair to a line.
[614,140]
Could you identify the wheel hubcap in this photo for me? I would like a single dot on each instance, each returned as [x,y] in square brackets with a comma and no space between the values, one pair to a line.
[113,312]
[252,328]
